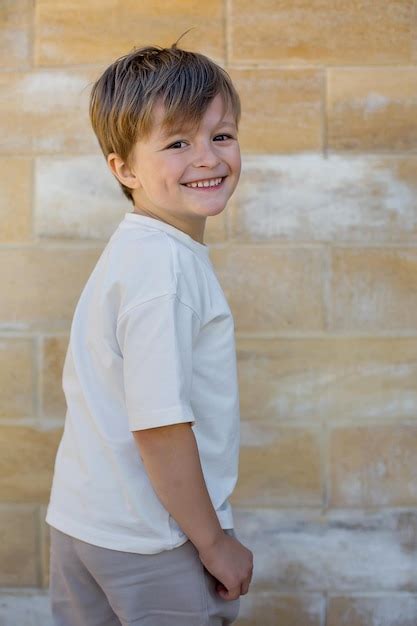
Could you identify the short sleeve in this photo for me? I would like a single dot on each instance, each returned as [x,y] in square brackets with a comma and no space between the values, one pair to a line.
[156,340]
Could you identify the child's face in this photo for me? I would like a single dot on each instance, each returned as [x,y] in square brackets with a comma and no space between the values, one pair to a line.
[162,166]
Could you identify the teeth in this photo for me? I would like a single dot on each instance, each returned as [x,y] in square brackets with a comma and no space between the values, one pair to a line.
[213,182]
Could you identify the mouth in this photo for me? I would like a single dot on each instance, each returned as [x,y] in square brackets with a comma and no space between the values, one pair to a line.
[208,189]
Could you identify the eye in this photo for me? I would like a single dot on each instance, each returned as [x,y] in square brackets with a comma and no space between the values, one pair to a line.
[224,135]
[182,141]
[175,144]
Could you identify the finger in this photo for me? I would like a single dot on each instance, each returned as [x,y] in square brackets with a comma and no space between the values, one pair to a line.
[244,589]
[232,594]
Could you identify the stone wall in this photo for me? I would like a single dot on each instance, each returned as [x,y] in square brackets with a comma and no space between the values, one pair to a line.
[317,255]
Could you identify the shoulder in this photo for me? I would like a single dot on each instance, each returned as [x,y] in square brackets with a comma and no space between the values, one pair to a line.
[132,248]
[140,268]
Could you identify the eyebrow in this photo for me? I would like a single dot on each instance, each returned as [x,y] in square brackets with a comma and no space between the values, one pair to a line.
[170,133]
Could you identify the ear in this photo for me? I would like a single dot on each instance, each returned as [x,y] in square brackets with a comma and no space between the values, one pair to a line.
[122,171]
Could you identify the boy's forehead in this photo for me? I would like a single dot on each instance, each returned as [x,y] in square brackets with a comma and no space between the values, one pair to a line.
[161,130]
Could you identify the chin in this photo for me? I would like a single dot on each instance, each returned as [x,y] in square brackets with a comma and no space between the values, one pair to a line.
[213,210]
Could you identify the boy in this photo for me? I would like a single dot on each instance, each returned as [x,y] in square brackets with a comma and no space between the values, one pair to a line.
[141,526]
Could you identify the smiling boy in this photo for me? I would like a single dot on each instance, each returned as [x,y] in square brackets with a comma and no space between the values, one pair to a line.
[141,523]
[169,160]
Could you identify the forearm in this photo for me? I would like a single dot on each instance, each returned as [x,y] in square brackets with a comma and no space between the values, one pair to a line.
[172,462]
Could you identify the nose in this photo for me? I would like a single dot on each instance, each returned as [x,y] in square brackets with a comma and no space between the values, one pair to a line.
[205,155]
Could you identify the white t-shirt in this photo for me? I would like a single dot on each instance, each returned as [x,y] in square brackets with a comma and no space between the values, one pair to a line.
[151,343]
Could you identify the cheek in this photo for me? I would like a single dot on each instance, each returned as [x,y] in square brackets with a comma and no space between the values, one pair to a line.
[234,154]
[170,175]
[237,161]
[161,180]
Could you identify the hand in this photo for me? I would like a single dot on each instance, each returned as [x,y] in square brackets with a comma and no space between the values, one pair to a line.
[231,563]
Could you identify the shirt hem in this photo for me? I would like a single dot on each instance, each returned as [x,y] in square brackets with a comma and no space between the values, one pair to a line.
[106,540]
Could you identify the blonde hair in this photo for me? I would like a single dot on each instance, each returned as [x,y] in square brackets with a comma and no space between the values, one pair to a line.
[123,97]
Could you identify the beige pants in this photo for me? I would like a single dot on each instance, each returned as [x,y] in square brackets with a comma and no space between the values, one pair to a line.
[94,586]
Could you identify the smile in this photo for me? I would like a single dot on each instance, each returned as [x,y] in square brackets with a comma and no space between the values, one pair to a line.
[210,184]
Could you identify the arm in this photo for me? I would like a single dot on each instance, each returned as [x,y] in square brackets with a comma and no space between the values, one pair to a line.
[171,459]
